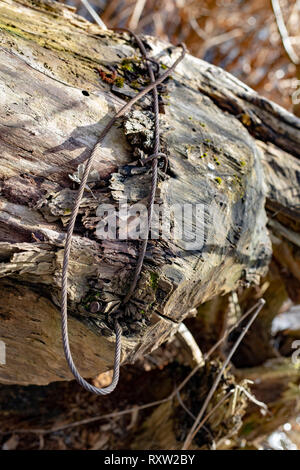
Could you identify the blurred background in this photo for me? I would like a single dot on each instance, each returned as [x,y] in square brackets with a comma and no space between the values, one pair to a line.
[238,35]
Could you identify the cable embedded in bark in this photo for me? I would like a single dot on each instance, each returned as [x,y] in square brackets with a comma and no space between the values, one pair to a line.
[64,286]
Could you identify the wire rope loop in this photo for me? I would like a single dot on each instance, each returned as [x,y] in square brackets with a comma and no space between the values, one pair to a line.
[64,287]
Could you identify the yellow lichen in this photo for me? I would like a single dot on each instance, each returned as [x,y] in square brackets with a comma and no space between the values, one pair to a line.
[119,82]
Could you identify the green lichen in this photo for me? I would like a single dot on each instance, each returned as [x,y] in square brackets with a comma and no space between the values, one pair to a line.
[242,163]
[218,180]
[217,161]
[127,65]
[237,179]
[77,64]
[119,82]
[195,121]
[11,28]
[154,280]
[248,427]
[47,43]
[163,66]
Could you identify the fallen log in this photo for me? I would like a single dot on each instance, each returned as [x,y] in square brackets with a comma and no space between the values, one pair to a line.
[228,150]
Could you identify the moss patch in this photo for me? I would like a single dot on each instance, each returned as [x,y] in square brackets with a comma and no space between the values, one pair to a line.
[127,65]
[119,82]
[154,280]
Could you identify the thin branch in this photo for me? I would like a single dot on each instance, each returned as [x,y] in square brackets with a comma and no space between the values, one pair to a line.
[87,420]
[214,347]
[200,32]
[210,413]
[181,403]
[252,398]
[137,12]
[94,14]
[189,437]
[186,336]
[284,33]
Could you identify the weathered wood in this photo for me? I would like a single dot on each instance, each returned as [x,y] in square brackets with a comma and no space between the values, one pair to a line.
[54,106]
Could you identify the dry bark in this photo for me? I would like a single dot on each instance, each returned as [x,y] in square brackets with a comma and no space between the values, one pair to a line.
[228,148]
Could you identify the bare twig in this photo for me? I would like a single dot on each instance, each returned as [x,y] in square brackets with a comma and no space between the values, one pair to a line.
[251,397]
[135,17]
[215,346]
[94,14]
[190,435]
[201,33]
[87,420]
[187,337]
[284,33]
[181,403]
[199,426]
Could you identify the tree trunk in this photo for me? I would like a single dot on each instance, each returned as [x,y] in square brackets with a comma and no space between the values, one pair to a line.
[231,152]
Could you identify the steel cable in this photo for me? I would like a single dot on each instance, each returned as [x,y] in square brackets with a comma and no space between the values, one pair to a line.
[64,286]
